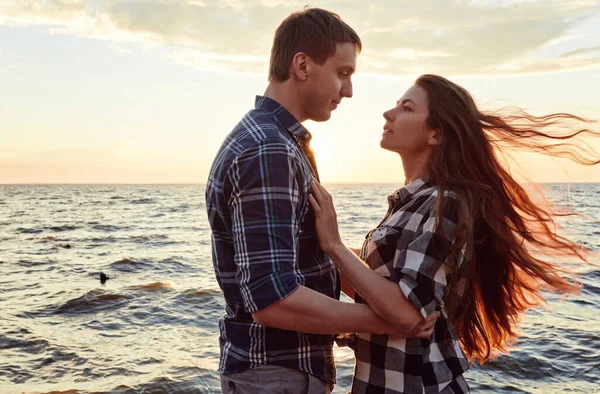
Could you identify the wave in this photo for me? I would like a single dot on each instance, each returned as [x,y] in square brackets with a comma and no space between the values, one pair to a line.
[173,264]
[143,201]
[592,275]
[126,262]
[109,239]
[62,228]
[523,364]
[133,265]
[129,265]
[94,301]
[49,238]
[164,384]
[108,227]
[22,230]
[147,238]
[156,286]
[96,202]
[180,208]
[590,289]
[30,346]
[191,293]
[29,263]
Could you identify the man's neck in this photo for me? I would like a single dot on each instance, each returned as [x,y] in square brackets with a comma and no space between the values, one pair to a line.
[287,96]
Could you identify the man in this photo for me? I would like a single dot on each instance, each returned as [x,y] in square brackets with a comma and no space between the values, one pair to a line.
[281,290]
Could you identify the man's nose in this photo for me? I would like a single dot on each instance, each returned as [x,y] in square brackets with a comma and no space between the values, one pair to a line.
[346,89]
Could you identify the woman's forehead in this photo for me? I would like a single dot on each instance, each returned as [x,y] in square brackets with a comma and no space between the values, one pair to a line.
[416,94]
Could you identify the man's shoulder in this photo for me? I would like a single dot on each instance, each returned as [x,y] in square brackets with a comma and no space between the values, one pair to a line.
[258,126]
[256,131]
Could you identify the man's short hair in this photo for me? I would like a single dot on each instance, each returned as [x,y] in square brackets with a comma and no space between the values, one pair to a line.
[313,31]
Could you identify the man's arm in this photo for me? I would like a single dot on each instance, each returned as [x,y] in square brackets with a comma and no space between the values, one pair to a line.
[307,311]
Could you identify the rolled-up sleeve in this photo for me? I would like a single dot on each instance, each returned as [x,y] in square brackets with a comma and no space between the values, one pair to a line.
[264,205]
[423,276]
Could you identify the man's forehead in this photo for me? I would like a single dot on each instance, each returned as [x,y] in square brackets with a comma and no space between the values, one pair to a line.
[345,53]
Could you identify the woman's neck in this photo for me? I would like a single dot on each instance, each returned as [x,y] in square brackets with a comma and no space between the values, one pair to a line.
[415,166]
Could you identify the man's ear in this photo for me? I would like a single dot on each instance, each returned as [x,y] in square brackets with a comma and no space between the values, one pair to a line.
[435,137]
[299,67]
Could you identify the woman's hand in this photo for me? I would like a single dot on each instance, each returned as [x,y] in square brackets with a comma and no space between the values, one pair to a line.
[423,329]
[325,218]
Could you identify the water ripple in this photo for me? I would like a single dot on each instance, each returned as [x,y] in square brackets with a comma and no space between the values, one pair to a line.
[153,326]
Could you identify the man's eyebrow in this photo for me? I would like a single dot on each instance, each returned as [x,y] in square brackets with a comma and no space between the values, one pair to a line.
[351,69]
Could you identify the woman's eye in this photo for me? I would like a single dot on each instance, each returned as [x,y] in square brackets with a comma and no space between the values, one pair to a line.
[405,108]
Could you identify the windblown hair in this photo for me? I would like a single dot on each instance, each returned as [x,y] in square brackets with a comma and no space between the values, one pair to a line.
[507,236]
[313,31]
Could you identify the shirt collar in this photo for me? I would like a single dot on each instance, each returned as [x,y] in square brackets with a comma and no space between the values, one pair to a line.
[408,191]
[285,118]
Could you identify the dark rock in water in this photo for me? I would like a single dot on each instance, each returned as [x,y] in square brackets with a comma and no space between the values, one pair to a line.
[103,278]
[67,246]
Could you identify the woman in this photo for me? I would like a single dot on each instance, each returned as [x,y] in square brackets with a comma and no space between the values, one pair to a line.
[459,237]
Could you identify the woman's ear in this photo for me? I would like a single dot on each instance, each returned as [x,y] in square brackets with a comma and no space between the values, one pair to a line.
[435,137]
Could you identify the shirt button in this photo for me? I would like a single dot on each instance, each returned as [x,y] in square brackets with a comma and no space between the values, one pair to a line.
[231,384]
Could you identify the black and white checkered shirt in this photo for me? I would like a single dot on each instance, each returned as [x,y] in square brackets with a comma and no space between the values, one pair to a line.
[264,242]
[405,248]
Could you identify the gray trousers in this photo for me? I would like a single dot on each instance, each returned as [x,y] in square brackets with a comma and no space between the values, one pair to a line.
[273,379]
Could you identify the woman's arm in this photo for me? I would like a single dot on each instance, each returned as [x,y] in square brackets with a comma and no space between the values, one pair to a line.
[383,296]
[356,251]
[347,287]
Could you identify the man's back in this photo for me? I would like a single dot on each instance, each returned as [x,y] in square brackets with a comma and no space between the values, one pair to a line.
[264,242]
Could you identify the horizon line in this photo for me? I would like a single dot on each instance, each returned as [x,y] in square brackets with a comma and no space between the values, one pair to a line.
[204,183]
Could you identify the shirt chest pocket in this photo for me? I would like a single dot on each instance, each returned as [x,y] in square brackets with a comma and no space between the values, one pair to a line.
[381,250]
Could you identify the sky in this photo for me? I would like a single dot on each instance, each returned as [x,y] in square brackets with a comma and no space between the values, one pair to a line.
[145,91]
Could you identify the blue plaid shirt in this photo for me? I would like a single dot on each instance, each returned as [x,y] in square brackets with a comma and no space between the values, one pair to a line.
[264,243]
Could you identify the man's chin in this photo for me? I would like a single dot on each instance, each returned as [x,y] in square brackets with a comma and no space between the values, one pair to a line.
[322,117]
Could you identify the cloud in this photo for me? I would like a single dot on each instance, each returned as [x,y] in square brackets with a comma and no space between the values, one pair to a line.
[454,37]
[582,53]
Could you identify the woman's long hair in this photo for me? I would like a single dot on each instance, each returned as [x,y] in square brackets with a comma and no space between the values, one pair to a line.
[504,232]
